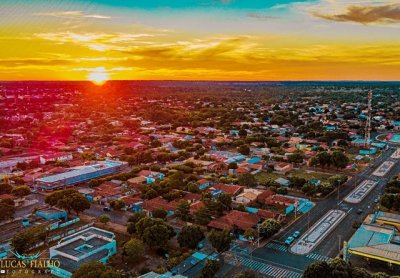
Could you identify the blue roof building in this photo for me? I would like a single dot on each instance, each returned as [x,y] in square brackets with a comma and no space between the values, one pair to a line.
[89,245]
[79,174]
[254,160]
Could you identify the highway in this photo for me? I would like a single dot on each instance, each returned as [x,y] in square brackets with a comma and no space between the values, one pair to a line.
[276,253]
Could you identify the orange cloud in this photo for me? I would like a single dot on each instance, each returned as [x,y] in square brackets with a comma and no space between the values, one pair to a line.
[366,14]
[73,14]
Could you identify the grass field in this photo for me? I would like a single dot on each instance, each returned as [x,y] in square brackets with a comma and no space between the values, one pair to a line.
[308,175]
[264,176]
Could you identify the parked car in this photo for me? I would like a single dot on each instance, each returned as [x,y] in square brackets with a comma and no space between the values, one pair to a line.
[296,234]
[376,200]
[359,211]
[106,209]
[289,240]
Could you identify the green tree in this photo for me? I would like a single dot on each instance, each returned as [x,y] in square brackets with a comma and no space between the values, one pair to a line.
[339,268]
[323,158]
[247,180]
[95,270]
[28,238]
[242,133]
[159,213]
[210,269]
[269,227]
[317,270]
[190,236]
[5,188]
[296,157]
[202,216]
[134,249]
[244,149]
[357,272]
[250,234]
[232,165]
[133,219]
[154,232]
[7,209]
[380,275]
[220,240]
[339,159]
[104,218]
[117,204]
[183,210]
[21,191]
[247,274]
[225,201]
[68,199]
[337,180]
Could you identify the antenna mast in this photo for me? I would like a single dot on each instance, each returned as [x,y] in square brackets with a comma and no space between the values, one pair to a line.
[368,123]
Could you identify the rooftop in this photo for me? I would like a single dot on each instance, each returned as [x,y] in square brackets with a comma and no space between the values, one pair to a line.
[80,170]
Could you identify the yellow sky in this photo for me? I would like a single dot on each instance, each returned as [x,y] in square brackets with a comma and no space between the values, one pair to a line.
[295,44]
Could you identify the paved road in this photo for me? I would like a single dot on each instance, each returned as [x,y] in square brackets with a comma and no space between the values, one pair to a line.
[119,217]
[329,248]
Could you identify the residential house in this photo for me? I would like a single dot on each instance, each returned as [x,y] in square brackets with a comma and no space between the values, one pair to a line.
[203,183]
[151,176]
[248,196]
[235,220]
[283,167]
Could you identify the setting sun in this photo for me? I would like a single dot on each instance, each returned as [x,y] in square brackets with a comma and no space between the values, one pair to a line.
[99,76]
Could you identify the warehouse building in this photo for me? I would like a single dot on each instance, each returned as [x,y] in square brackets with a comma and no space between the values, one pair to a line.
[79,174]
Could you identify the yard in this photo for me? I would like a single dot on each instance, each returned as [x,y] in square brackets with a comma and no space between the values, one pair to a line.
[263,177]
[308,175]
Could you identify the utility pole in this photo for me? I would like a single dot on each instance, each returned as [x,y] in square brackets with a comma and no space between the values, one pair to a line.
[340,239]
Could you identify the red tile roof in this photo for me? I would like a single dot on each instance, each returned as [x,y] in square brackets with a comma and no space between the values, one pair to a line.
[202,181]
[129,200]
[159,202]
[280,200]
[7,196]
[266,214]
[226,188]
[264,195]
[240,219]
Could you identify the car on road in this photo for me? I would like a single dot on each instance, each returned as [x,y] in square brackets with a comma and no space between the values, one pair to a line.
[289,240]
[106,209]
[376,200]
[296,234]
[359,211]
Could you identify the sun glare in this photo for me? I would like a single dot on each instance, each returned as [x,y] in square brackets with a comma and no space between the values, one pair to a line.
[99,76]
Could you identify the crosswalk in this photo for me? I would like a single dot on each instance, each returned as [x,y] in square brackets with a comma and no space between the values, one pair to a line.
[265,269]
[277,246]
[318,257]
[284,248]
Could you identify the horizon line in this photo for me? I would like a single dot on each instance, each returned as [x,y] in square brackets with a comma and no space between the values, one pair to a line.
[206,80]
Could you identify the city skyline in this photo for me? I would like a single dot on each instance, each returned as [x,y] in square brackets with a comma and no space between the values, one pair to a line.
[199,40]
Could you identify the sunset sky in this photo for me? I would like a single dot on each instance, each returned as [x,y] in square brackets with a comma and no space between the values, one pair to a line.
[200,39]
